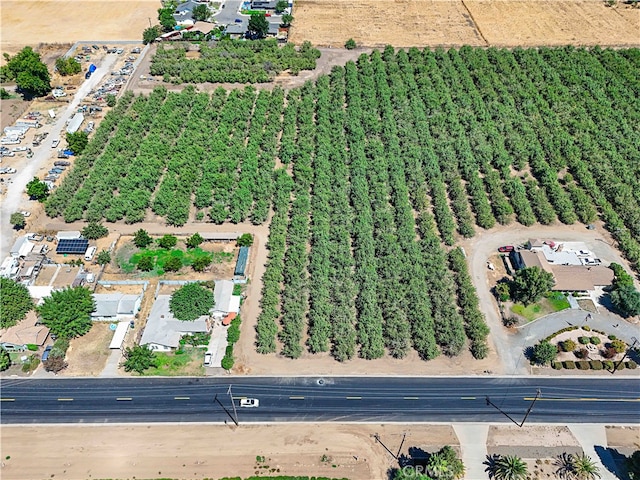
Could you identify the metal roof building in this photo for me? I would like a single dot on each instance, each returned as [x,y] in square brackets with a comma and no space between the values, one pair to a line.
[75,123]
[241,263]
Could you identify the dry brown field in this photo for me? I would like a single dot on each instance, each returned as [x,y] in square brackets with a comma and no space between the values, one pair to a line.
[406,23]
[31,22]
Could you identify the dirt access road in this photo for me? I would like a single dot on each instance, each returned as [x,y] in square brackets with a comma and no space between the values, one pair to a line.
[16,198]
[454,23]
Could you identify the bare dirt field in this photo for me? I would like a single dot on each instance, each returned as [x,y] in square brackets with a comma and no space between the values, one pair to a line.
[31,21]
[405,23]
[154,451]
[87,355]
[627,438]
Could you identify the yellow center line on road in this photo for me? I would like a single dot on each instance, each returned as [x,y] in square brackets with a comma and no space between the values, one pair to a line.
[65,399]
[7,399]
[467,398]
[354,398]
[411,398]
[296,398]
[182,398]
[124,399]
[583,399]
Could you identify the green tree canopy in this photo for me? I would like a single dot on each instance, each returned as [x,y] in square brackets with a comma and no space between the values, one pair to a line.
[202,262]
[142,239]
[167,241]
[622,278]
[350,44]
[201,13]
[258,25]
[583,468]
[191,301]
[94,230]
[165,16]
[530,284]
[17,220]
[626,300]
[544,353]
[150,34]
[281,6]
[77,141]
[139,358]
[445,465]
[103,258]
[194,240]
[245,240]
[68,66]
[68,312]
[286,19]
[633,465]
[15,302]
[37,190]
[509,467]
[145,264]
[111,100]
[5,360]
[28,71]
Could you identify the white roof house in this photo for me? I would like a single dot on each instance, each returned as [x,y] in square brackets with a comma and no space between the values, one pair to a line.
[163,331]
[225,301]
[22,247]
[115,306]
[68,235]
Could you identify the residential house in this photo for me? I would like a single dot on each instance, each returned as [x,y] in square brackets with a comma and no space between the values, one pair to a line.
[113,307]
[225,301]
[24,333]
[22,247]
[163,331]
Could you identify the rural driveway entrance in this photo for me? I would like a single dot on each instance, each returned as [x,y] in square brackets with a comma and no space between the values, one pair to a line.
[16,198]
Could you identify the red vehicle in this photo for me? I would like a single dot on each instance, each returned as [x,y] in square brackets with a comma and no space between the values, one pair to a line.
[506,248]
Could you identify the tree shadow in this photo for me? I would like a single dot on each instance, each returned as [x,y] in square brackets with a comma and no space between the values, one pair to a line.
[564,464]
[613,461]
[528,353]
[416,458]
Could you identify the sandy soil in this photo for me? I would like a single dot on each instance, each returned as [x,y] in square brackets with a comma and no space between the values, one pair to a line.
[624,437]
[165,451]
[551,22]
[88,355]
[405,23]
[531,441]
[59,21]
[372,23]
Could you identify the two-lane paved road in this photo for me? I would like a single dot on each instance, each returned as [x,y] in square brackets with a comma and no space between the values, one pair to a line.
[339,399]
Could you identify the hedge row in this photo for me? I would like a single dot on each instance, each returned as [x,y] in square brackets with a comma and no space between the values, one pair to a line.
[593,365]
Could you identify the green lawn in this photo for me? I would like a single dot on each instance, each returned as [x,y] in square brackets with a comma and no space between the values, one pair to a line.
[553,302]
[187,363]
[161,255]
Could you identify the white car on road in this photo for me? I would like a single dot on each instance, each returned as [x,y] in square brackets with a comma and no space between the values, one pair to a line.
[249,402]
[55,143]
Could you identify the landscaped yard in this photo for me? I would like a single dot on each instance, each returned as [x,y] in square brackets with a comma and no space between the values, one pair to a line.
[554,302]
[187,363]
[128,260]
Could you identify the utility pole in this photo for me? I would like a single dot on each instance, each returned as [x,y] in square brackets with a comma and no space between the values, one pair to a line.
[489,402]
[233,403]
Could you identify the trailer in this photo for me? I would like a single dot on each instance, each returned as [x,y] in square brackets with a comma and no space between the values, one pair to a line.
[28,123]
[9,140]
[16,131]
[75,123]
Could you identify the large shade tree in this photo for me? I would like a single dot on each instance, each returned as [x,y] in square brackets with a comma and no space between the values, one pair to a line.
[191,301]
[68,312]
[15,302]
[27,70]
[530,284]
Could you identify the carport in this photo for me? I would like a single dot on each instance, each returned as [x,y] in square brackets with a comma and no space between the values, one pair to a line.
[118,335]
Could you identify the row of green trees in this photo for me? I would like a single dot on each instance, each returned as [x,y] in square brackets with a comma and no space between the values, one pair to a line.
[233,61]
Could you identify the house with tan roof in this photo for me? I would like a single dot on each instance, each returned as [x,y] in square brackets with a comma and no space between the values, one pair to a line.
[24,333]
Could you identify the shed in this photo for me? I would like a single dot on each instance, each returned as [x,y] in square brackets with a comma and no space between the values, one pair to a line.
[118,335]
[70,235]
[225,301]
[241,263]
[21,247]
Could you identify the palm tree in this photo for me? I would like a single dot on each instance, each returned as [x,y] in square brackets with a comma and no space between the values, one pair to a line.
[584,468]
[510,467]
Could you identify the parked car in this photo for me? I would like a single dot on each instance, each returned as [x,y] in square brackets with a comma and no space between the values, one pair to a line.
[19,149]
[207,359]
[249,402]
[25,213]
[55,143]
[61,163]
[45,354]
[506,248]
[238,20]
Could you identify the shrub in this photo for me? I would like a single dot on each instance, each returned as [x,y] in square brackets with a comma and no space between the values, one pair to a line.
[568,345]
[569,365]
[167,241]
[479,349]
[544,353]
[586,328]
[608,365]
[609,352]
[596,365]
[595,340]
[583,340]
[618,345]
[32,347]
[620,365]
[227,363]
[510,322]
[582,353]
[631,365]
[173,264]
[350,44]
[556,365]
[583,365]
[611,337]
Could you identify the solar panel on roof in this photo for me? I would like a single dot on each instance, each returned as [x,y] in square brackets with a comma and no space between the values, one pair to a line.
[74,246]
